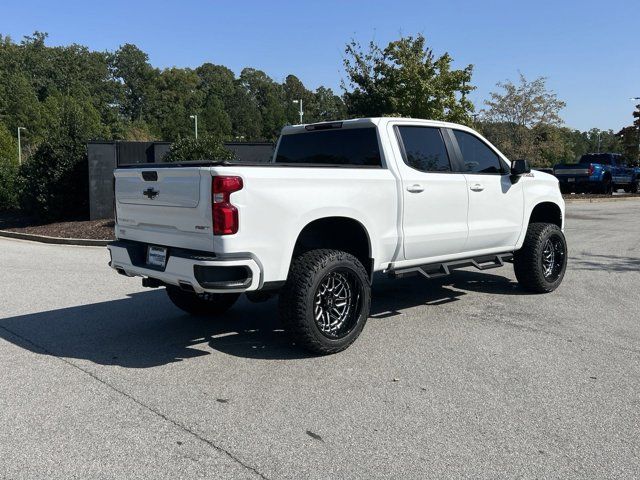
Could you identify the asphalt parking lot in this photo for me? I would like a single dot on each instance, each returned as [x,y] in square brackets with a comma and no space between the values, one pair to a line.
[463,377]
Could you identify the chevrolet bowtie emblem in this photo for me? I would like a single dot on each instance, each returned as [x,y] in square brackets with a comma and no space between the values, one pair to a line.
[151,193]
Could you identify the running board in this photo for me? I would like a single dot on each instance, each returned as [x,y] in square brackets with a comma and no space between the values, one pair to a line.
[437,270]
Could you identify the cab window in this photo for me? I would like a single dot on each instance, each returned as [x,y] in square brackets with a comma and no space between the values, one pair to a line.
[424,149]
[477,157]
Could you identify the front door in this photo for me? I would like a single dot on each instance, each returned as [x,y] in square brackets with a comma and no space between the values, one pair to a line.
[496,205]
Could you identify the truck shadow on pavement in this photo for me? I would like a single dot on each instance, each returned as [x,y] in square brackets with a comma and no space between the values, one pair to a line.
[145,330]
[612,263]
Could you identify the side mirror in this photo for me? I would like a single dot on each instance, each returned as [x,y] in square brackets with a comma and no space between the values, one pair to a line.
[520,167]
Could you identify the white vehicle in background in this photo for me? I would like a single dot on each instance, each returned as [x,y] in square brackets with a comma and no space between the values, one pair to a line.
[340,201]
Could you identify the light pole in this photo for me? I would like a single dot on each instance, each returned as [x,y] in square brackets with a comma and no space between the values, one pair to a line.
[195,118]
[301,112]
[20,146]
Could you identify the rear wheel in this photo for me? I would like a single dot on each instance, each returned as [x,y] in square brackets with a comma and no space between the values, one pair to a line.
[325,303]
[634,186]
[203,304]
[541,262]
[607,186]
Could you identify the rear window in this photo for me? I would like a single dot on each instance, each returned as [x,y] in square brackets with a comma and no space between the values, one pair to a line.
[349,146]
[601,158]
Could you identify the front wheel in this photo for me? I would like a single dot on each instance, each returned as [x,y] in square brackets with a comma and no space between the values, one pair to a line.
[203,304]
[325,303]
[541,262]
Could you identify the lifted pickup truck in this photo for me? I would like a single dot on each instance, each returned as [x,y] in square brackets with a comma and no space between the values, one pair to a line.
[597,173]
[340,201]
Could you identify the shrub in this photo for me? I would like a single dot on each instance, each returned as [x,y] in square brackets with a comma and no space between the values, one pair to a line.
[55,182]
[8,170]
[8,185]
[204,148]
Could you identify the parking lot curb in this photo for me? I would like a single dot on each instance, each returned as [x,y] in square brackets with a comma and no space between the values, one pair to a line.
[601,200]
[84,242]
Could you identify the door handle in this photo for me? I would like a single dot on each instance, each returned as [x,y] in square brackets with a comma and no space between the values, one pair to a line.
[415,188]
[477,187]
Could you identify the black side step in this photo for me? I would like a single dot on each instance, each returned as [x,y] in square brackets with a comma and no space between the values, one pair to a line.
[436,270]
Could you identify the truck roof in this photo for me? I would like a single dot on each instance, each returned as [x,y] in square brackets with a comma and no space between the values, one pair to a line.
[365,122]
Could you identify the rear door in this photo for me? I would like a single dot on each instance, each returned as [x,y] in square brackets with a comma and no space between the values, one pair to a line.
[620,173]
[496,205]
[434,221]
[165,206]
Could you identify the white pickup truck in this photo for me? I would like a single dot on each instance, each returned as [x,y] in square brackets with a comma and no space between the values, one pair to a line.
[340,201]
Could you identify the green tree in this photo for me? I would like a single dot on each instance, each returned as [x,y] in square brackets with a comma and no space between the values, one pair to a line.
[630,143]
[214,118]
[406,79]
[294,89]
[630,138]
[216,80]
[72,120]
[246,120]
[176,98]
[204,148]
[217,84]
[525,112]
[20,108]
[267,95]
[8,170]
[130,66]
[327,105]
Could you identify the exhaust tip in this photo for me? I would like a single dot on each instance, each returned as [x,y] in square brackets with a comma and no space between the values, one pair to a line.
[187,287]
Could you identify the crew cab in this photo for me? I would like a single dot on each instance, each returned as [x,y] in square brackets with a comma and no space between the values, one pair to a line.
[339,201]
[597,173]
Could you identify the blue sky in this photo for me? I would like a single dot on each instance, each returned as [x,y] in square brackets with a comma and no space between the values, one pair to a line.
[589,50]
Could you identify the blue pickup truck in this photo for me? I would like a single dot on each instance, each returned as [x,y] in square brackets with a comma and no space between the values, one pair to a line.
[597,173]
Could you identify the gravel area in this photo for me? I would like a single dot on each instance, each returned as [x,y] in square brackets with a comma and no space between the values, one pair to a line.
[88,229]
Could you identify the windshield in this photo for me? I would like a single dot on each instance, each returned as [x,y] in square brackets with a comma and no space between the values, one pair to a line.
[348,146]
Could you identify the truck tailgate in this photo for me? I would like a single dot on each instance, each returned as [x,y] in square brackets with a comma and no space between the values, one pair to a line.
[165,206]
[573,170]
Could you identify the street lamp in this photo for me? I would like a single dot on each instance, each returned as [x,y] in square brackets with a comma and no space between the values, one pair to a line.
[300,112]
[195,118]
[20,146]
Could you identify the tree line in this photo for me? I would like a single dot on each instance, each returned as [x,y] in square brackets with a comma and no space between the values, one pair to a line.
[65,96]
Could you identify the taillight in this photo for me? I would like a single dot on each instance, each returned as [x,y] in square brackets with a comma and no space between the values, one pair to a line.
[115,209]
[591,169]
[225,215]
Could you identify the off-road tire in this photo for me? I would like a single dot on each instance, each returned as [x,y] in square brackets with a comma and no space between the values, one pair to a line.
[527,262]
[298,297]
[607,187]
[204,305]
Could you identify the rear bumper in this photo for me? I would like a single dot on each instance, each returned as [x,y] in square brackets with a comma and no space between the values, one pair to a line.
[197,271]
